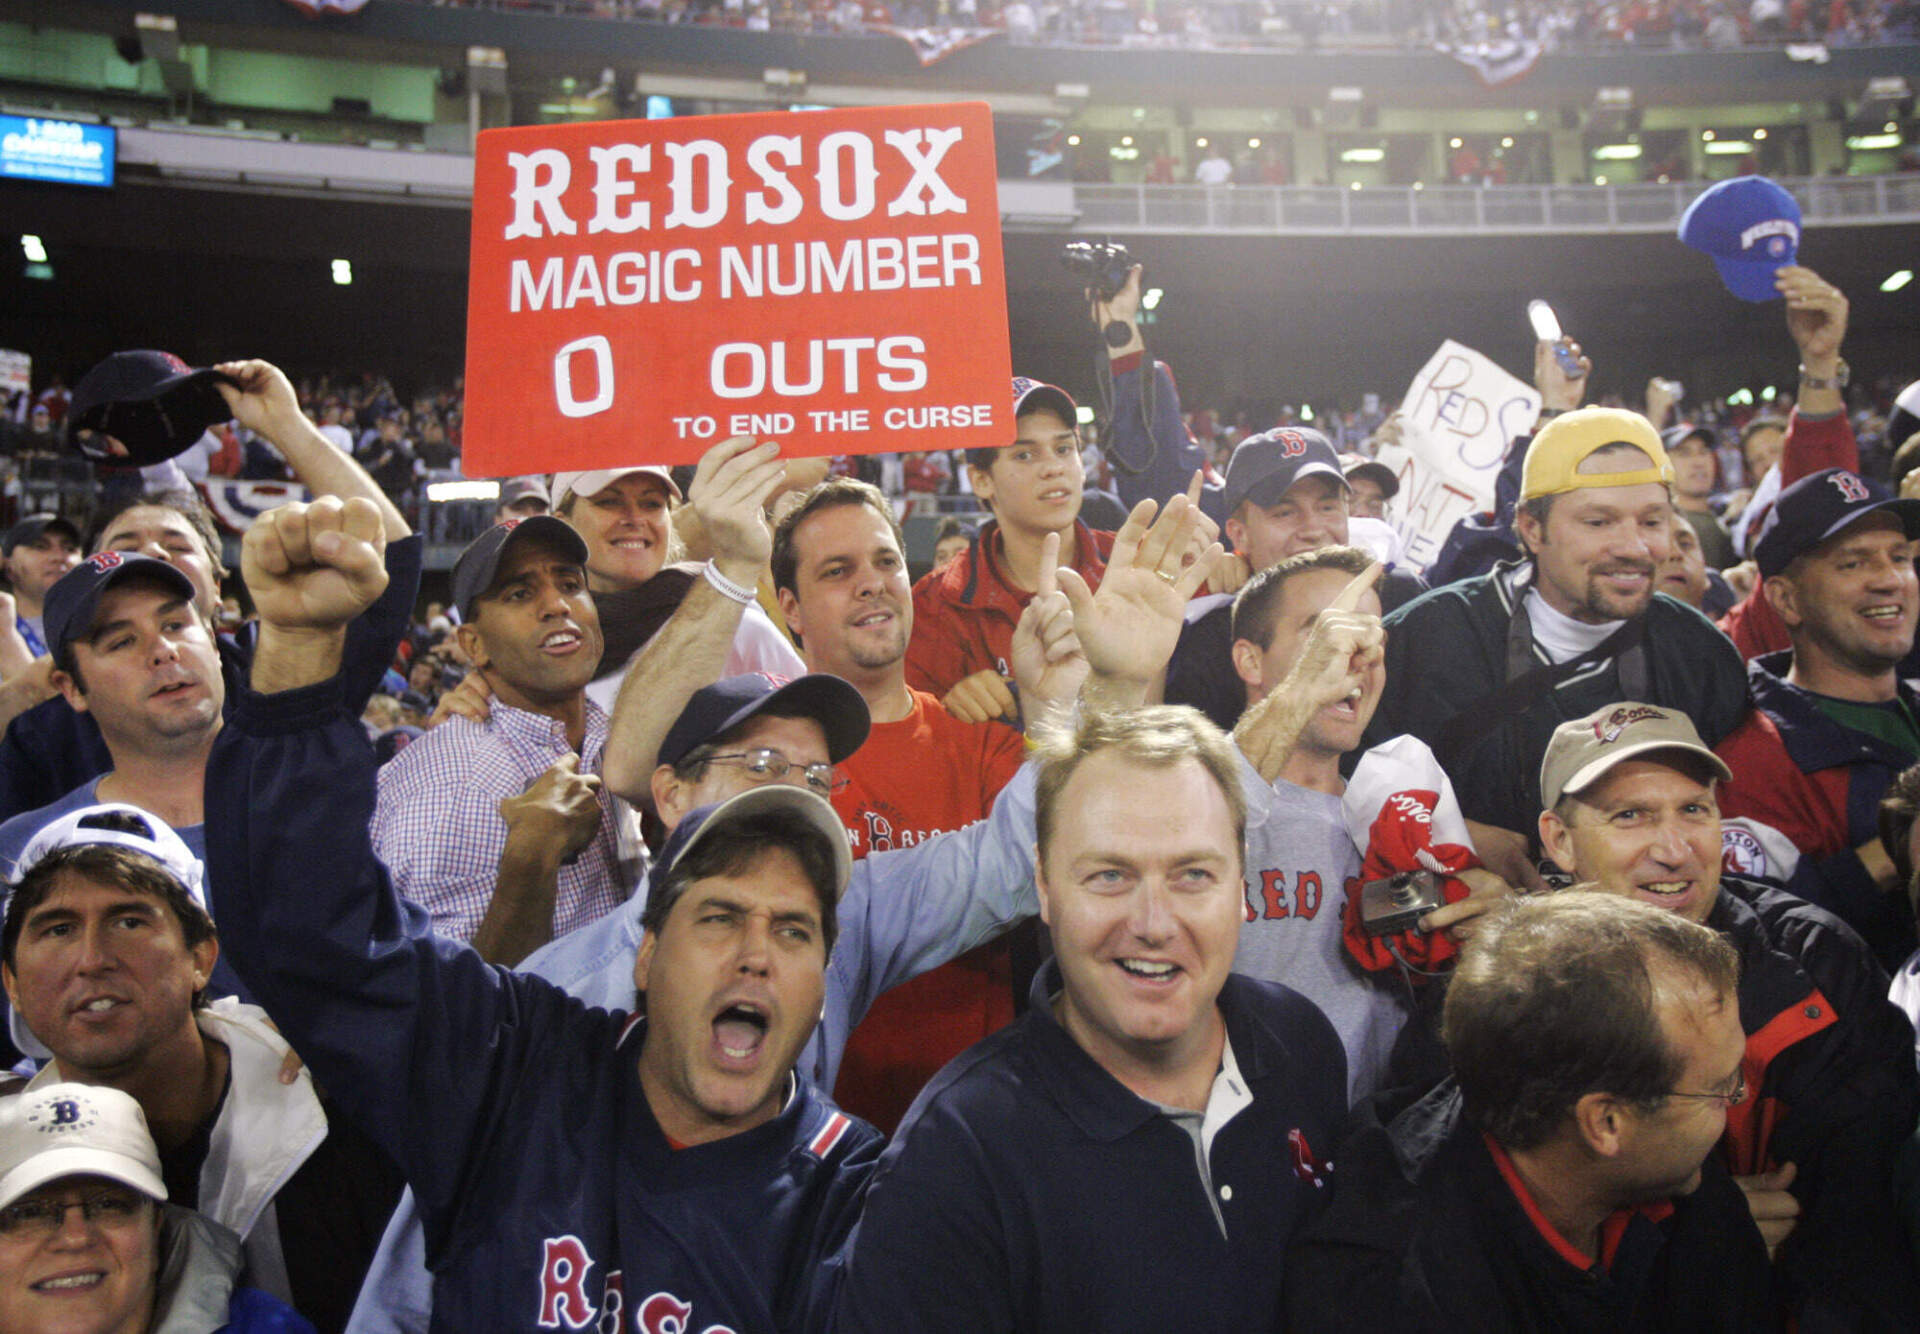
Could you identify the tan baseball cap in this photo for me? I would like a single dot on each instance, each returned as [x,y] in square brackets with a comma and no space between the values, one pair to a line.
[1552,465]
[1582,751]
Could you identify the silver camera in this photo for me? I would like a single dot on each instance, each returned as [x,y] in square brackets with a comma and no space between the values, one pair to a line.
[1397,903]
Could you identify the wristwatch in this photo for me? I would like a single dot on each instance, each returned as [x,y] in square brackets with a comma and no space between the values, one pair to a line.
[1838,380]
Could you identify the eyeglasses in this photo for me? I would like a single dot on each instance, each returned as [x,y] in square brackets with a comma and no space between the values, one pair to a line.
[35,1219]
[772,766]
[1732,1098]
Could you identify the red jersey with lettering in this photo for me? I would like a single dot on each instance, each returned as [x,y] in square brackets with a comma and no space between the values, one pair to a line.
[924,775]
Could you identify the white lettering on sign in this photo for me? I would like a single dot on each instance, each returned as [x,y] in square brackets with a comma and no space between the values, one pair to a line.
[701,186]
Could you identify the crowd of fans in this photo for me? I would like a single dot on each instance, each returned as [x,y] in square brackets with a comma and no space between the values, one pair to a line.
[1174,909]
[1411,24]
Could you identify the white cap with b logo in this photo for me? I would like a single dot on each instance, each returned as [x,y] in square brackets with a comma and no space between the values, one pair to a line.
[64,1130]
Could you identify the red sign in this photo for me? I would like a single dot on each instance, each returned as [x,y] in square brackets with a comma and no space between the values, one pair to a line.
[643,289]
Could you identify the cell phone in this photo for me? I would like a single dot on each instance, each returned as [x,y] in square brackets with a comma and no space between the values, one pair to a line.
[1546,327]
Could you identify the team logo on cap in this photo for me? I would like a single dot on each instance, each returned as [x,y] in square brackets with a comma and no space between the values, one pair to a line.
[102,561]
[176,363]
[1607,730]
[508,525]
[1776,237]
[62,1116]
[1292,444]
[1851,488]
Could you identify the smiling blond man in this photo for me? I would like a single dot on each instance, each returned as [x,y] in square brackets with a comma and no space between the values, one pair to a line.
[1135,1152]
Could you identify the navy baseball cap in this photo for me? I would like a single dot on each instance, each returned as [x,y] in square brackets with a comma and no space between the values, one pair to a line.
[473,573]
[1359,465]
[1750,228]
[1031,395]
[151,402]
[72,601]
[30,528]
[713,821]
[717,709]
[1817,507]
[1265,466]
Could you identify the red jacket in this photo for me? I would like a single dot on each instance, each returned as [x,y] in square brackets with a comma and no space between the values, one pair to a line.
[964,613]
[1812,443]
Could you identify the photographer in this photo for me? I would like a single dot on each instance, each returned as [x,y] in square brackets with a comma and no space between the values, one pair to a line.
[1148,446]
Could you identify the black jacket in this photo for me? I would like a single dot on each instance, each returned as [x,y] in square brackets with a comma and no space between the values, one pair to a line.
[1447,655]
[1424,1234]
[1835,1093]
[1831,1061]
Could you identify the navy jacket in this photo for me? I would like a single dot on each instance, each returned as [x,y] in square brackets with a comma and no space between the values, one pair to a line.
[49,750]
[549,1194]
[1028,1190]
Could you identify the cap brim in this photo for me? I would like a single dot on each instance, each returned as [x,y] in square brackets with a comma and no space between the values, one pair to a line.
[1046,396]
[1592,772]
[811,807]
[1751,279]
[1268,489]
[1770,563]
[53,1164]
[840,710]
[1381,475]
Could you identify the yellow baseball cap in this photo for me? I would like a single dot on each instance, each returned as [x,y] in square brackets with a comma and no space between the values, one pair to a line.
[1553,459]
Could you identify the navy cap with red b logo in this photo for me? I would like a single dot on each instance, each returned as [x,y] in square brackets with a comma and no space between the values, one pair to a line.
[1817,507]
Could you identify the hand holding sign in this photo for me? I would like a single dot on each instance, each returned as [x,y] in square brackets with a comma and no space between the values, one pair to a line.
[730,491]
[1459,417]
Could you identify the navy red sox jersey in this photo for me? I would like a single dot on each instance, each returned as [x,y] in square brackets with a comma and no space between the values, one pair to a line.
[549,1195]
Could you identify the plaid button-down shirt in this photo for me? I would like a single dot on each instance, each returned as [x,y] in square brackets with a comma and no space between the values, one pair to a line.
[437,822]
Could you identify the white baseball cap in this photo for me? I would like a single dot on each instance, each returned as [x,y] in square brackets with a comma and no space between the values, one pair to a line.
[122,826]
[65,1130]
[593,483]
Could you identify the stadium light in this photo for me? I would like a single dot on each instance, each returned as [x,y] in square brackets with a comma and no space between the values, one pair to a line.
[1740,398]
[1364,155]
[343,272]
[1728,147]
[1859,142]
[463,491]
[1896,280]
[1618,152]
[33,249]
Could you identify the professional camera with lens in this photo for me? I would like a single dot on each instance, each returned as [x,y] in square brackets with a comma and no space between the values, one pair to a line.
[1101,266]
[1397,903]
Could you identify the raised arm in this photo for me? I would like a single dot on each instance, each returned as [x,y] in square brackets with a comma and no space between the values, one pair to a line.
[1343,646]
[1128,628]
[265,403]
[413,1035]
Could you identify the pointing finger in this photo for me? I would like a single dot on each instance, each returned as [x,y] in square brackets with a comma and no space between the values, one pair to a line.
[1349,597]
[1049,562]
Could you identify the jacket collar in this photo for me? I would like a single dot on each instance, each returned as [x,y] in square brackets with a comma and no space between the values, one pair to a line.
[1813,740]
[1101,1106]
[264,1129]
